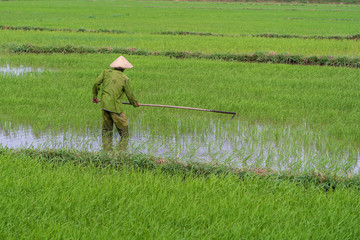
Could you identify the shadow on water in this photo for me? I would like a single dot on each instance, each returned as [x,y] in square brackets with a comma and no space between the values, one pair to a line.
[246,146]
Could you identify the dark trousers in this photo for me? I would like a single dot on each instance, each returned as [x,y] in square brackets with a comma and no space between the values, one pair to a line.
[122,126]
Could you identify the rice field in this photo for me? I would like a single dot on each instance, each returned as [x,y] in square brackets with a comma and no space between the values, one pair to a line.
[42,200]
[226,18]
[159,43]
[294,119]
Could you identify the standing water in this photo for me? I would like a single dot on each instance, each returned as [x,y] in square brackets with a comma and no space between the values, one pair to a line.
[246,146]
[8,70]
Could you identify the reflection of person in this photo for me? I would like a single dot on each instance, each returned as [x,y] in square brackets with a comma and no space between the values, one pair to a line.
[114,84]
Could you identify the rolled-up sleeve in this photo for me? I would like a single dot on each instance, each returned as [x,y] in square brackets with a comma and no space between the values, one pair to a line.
[129,93]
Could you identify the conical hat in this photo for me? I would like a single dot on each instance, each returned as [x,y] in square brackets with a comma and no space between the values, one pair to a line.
[121,62]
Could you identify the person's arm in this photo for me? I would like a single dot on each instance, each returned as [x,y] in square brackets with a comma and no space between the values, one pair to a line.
[129,94]
[96,87]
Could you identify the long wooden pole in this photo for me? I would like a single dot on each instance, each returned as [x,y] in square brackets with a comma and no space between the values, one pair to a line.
[188,108]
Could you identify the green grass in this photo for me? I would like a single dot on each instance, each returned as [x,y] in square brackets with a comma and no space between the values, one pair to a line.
[226,18]
[45,200]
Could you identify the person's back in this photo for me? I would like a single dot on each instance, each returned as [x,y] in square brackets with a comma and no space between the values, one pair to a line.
[114,84]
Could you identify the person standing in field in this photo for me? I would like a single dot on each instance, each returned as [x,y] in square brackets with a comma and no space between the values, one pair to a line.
[114,84]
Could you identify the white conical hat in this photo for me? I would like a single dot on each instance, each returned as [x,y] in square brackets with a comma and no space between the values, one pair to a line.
[121,62]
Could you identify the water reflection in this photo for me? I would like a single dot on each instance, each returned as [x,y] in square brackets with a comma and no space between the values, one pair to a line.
[245,146]
[8,70]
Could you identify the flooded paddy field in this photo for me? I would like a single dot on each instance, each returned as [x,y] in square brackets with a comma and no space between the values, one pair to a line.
[236,144]
[295,137]
[9,70]
[53,109]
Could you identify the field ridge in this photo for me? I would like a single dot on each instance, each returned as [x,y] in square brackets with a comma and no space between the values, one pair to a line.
[172,166]
[183,33]
[257,57]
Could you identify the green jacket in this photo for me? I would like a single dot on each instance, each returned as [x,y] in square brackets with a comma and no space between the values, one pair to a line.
[114,85]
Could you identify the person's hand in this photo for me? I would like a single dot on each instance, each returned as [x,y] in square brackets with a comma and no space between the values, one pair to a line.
[95,100]
[137,104]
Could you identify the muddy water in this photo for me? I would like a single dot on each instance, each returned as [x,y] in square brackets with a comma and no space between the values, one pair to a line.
[242,148]
[9,70]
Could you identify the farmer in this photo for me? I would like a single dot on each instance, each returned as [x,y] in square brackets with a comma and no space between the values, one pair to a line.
[114,85]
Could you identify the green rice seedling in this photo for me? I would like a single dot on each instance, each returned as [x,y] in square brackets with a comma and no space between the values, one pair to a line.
[49,200]
[221,18]
[294,144]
